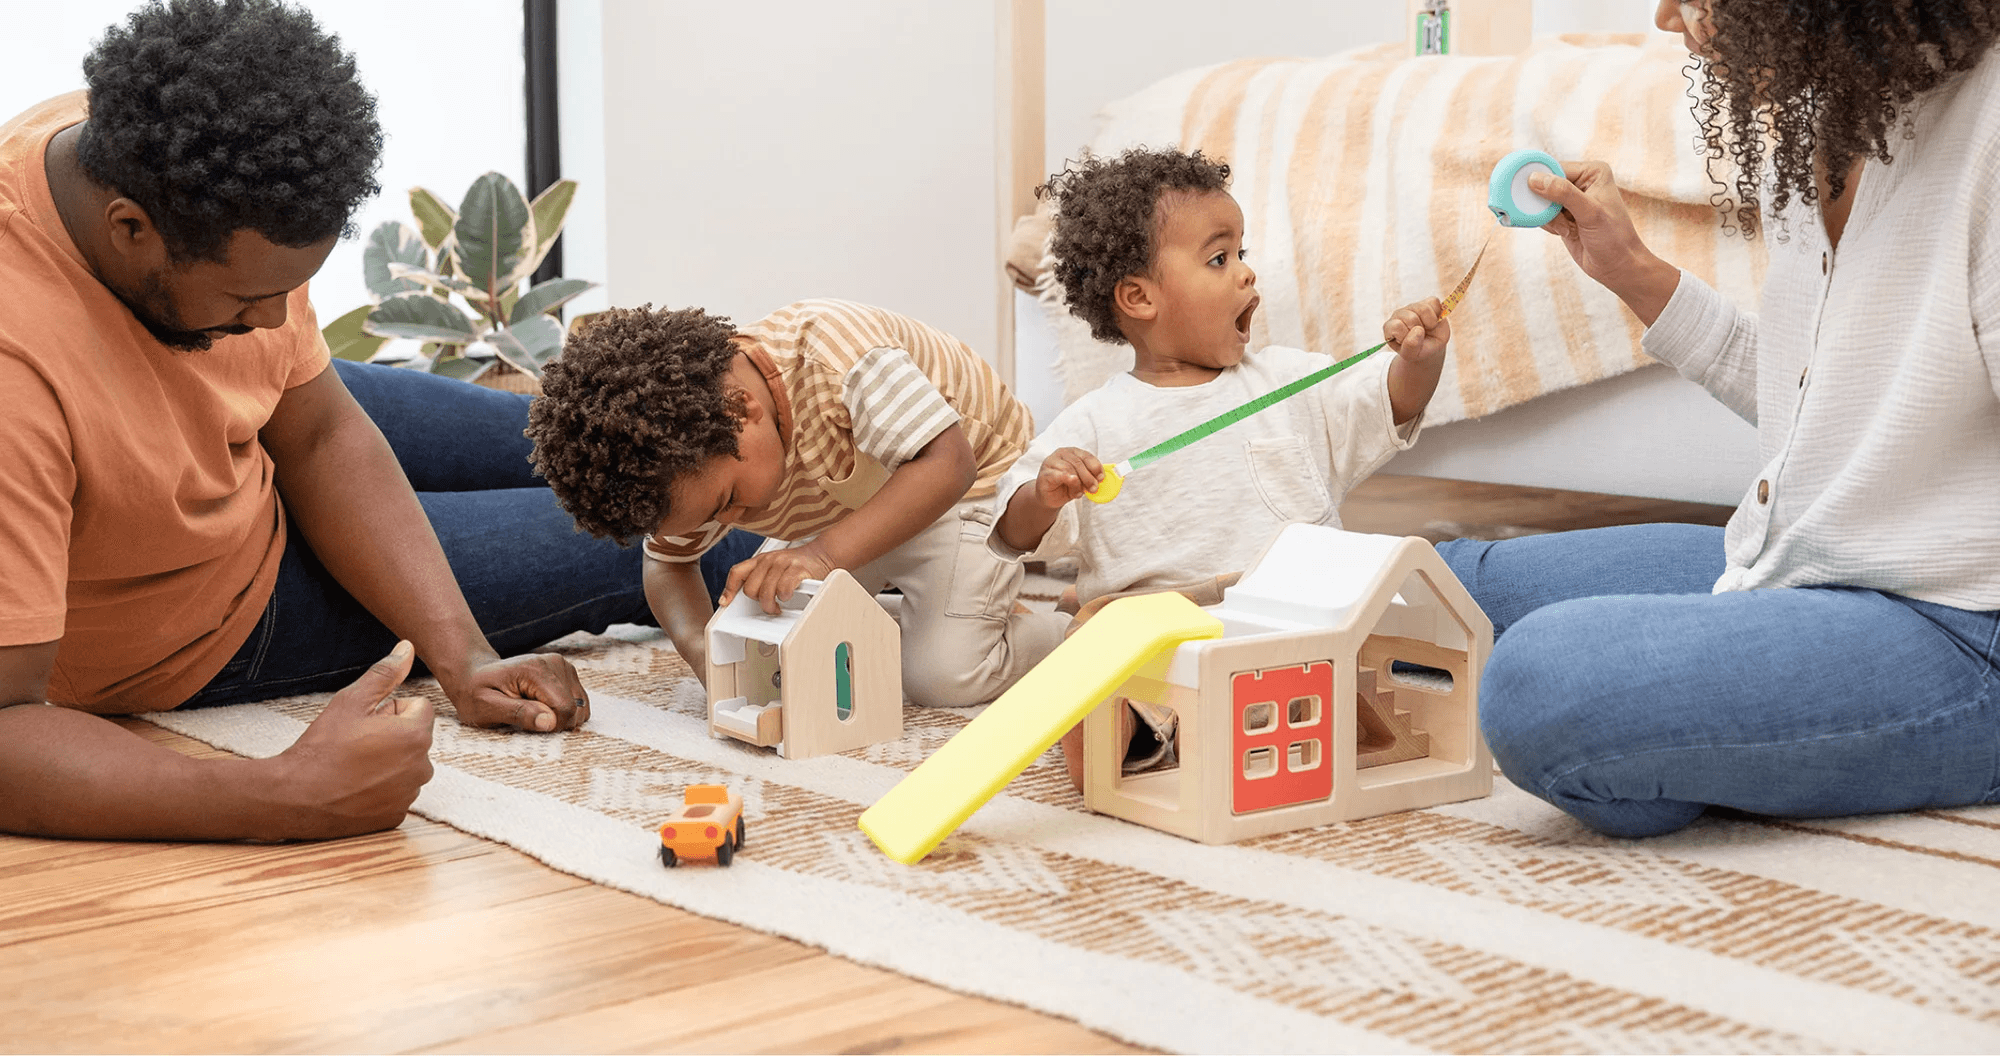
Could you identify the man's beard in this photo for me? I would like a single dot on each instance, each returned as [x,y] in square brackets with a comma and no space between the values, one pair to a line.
[152,306]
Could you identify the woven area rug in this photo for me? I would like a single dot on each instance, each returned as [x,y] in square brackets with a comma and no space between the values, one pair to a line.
[1495,925]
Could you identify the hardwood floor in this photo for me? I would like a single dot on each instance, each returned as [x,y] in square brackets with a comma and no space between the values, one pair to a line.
[425,939]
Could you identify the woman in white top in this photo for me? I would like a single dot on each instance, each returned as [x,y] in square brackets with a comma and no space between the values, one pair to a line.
[1833,650]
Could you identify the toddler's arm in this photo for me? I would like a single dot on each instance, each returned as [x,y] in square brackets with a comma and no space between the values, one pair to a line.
[1066,475]
[1418,333]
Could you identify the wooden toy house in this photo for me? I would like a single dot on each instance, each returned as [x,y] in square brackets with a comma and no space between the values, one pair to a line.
[825,675]
[1294,717]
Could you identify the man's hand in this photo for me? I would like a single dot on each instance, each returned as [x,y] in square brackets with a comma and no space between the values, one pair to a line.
[359,766]
[538,692]
[1066,476]
[773,576]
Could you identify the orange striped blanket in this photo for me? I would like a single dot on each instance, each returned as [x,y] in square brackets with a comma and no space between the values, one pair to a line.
[1363,183]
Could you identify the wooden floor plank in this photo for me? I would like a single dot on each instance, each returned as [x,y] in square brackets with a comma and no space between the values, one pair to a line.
[427,939]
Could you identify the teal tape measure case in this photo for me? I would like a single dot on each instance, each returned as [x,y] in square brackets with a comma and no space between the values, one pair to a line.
[1508,196]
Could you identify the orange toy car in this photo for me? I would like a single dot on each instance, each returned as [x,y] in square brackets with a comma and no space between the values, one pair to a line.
[708,825]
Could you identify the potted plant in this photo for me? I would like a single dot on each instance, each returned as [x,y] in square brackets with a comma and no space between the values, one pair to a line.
[455,283]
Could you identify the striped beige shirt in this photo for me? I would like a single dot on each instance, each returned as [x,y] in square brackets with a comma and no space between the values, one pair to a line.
[860,391]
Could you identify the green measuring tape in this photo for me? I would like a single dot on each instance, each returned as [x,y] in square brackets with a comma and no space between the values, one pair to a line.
[1114,476]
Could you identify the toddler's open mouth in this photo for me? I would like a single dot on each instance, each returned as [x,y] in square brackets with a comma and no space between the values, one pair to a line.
[1243,320]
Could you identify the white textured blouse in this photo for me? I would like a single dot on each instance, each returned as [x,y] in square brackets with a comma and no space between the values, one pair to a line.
[1872,372]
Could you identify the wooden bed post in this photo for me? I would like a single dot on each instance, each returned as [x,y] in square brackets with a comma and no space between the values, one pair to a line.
[1019,120]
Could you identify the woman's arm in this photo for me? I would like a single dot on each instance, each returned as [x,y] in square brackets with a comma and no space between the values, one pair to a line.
[1689,325]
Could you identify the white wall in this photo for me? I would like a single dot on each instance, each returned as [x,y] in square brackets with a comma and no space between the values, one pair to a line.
[437,138]
[796,148]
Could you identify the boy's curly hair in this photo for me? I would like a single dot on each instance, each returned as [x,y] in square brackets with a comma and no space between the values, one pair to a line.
[1795,80]
[220,115]
[1107,222]
[638,398]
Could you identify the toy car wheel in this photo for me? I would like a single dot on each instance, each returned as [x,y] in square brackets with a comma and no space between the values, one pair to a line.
[739,832]
[726,853]
[667,857]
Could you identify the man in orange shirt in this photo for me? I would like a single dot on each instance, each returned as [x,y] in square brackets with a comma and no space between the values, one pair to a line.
[194,507]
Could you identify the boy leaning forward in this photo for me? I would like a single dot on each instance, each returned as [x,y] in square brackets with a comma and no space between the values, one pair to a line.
[867,440]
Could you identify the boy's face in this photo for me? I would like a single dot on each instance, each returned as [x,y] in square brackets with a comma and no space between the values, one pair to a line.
[727,489]
[1204,294]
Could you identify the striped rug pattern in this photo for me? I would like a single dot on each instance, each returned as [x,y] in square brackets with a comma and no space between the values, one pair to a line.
[1363,178]
[1494,925]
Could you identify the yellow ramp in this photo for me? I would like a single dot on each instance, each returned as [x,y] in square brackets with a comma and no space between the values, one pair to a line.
[1015,730]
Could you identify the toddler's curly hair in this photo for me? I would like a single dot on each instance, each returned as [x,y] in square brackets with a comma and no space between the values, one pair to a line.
[1107,222]
[638,398]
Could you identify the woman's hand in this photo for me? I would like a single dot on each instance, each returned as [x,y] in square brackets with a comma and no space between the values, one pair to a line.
[1599,235]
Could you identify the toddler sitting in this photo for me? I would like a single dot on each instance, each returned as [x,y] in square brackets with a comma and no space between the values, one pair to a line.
[1149,250]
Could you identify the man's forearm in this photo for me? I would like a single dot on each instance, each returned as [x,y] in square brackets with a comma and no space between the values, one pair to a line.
[346,494]
[68,773]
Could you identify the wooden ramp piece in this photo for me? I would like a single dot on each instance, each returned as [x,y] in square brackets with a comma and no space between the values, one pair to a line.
[993,749]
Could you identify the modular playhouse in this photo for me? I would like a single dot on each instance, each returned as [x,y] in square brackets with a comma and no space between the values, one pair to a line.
[824,675]
[1293,709]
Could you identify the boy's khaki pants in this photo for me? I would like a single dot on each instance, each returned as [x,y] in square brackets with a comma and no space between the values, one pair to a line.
[963,643]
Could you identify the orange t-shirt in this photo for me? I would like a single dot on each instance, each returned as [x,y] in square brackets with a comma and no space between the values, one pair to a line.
[139,516]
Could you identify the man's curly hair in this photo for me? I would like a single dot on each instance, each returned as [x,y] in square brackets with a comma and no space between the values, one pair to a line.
[1108,213]
[638,398]
[1834,78]
[221,115]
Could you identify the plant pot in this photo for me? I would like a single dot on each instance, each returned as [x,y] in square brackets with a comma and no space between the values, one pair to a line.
[503,376]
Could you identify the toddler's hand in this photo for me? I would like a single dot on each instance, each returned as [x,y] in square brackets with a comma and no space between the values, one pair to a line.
[1418,332]
[1066,476]
[773,576]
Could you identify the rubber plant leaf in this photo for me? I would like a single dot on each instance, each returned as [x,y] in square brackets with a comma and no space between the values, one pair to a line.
[544,298]
[551,209]
[434,218]
[440,285]
[495,234]
[421,317]
[346,340]
[391,244]
[530,344]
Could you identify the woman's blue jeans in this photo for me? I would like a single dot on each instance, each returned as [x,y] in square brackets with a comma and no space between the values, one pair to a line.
[1621,690]
[528,574]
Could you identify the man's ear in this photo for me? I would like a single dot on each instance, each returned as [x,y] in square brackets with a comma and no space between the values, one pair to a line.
[133,235]
[1136,297]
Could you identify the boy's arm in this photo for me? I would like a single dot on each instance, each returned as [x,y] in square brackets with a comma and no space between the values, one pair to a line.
[679,600]
[916,494]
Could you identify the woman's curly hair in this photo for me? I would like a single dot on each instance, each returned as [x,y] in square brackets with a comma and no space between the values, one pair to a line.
[638,398]
[1796,81]
[221,115]
[1107,222]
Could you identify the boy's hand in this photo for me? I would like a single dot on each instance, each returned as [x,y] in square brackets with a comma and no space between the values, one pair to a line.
[1067,475]
[773,576]
[1418,332]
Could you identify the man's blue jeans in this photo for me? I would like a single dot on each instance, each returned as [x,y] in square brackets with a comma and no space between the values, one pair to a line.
[1621,690]
[528,574]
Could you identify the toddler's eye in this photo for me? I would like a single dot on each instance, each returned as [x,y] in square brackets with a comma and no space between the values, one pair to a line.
[1243,254]
[1219,259]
